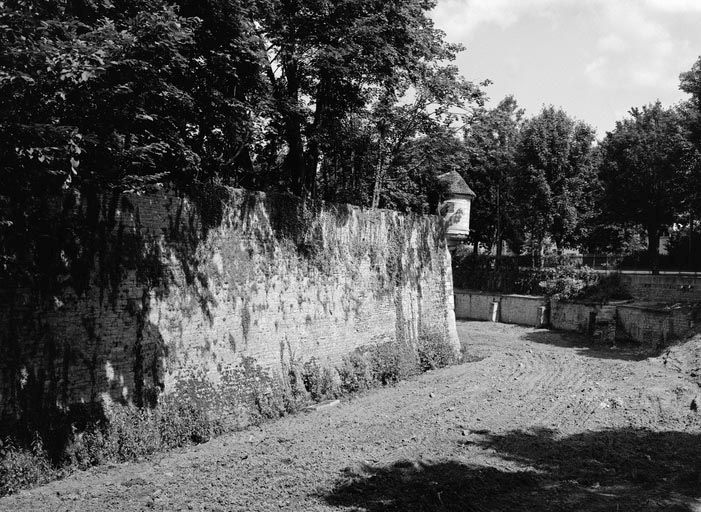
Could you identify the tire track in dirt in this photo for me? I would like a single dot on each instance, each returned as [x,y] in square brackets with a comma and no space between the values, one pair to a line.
[464,433]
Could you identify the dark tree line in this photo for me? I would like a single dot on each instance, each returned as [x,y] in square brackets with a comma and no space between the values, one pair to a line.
[317,97]
[547,179]
[343,100]
[340,100]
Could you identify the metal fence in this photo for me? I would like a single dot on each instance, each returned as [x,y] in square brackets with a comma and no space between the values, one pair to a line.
[610,262]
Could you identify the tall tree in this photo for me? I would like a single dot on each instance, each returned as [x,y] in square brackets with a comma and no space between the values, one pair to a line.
[432,108]
[491,138]
[328,59]
[645,162]
[555,158]
[690,82]
[107,96]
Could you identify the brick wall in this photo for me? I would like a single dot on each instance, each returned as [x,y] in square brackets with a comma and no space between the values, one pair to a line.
[576,316]
[655,327]
[663,288]
[475,305]
[524,310]
[217,297]
[511,309]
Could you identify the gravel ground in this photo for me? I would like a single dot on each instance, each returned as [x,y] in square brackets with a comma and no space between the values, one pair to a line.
[539,420]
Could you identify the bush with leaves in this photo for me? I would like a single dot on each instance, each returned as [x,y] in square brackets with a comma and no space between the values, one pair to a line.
[435,351]
[23,467]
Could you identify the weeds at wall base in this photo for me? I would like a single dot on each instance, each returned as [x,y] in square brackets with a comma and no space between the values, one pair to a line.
[130,433]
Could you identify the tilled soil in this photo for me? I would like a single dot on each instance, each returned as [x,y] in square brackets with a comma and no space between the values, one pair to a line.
[539,420]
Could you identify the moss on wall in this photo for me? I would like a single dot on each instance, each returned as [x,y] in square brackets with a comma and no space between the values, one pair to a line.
[220,297]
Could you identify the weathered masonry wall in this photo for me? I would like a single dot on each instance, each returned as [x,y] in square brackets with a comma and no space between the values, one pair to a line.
[655,326]
[580,317]
[476,305]
[219,298]
[663,288]
[511,309]
[524,310]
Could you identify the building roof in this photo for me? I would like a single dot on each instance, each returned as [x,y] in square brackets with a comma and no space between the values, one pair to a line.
[455,185]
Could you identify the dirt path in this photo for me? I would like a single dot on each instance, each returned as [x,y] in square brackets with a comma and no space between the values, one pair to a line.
[542,421]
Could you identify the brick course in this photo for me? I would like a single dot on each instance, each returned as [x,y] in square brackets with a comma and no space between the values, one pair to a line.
[218,299]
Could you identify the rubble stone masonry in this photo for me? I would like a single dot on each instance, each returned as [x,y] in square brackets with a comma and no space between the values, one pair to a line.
[217,296]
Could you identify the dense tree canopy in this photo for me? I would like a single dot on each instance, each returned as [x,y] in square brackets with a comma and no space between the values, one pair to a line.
[260,94]
[350,100]
[644,170]
[555,158]
[328,99]
[491,139]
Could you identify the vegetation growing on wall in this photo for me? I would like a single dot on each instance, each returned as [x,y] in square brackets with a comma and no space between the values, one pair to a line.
[312,243]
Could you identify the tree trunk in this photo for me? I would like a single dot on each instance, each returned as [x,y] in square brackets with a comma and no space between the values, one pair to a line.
[653,244]
[294,163]
[313,152]
[378,176]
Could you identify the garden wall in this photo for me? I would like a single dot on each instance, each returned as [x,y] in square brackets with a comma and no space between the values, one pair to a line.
[529,310]
[220,298]
[661,288]
[654,326]
[476,305]
[511,309]
[580,317]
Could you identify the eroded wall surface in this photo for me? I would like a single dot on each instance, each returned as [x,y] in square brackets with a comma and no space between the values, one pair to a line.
[217,298]
[663,288]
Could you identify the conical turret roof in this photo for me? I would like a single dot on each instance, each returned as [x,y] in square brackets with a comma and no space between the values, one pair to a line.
[455,185]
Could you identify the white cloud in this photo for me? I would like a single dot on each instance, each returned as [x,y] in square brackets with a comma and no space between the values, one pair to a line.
[460,18]
[612,43]
[638,48]
[675,6]
[595,72]
[598,56]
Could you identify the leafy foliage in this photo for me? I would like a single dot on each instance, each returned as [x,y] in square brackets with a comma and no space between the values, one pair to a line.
[647,156]
[491,140]
[556,162]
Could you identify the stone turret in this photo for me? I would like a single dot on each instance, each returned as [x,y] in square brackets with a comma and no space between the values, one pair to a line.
[455,207]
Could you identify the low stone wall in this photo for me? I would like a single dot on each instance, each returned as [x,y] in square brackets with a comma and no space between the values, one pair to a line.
[654,326]
[529,310]
[474,305]
[663,288]
[511,309]
[582,317]
[651,325]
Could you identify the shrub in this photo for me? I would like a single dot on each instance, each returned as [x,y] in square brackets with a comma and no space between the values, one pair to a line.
[567,282]
[391,362]
[607,287]
[355,373]
[23,467]
[435,351]
[319,381]
[570,283]
[180,424]
[130,433]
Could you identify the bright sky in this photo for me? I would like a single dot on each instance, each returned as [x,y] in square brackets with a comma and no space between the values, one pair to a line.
[594,58]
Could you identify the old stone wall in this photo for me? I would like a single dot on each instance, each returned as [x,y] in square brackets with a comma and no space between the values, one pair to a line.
[510,309]
[663,288]
[528,310]
[656,326]
[476,305]
[220,297]
[580,317]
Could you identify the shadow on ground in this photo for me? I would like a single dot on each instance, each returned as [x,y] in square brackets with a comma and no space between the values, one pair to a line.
[589,347]
[611,470]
